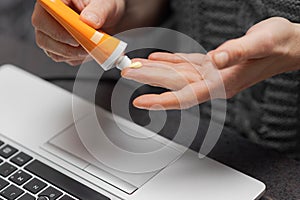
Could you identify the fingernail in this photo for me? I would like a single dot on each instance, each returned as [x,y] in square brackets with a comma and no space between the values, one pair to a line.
[91,17]
[83,53]
[46,52]
[221,58]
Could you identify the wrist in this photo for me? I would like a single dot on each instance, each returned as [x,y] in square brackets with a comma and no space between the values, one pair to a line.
[296,47]
[289,52]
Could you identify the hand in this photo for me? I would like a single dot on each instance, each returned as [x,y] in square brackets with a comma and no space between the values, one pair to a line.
[58,43]
[269,48]
[192,79]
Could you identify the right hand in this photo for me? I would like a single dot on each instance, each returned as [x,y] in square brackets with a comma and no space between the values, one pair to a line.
[57,43]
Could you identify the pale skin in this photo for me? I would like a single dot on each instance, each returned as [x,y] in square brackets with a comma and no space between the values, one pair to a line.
[269,48]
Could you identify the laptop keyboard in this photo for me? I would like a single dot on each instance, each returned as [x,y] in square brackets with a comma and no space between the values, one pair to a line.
[24,178]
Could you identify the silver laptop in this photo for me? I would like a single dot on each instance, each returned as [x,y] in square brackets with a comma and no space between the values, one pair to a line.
[47,152]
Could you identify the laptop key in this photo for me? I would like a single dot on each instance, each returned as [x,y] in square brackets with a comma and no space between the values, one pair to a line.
[11,192]
[7,151]
[66,197]
[63,182]
[3,183]
[51,193]
[20,177]
[21,159]
[7,169]
[42,198]
[27,197]
[35,185]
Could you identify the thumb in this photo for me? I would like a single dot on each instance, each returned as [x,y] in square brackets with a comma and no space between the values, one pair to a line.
[96,12]
[253,45]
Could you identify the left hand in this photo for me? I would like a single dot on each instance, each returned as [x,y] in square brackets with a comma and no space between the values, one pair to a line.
[269,48]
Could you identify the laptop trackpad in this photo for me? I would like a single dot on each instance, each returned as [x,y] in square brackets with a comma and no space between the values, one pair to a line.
[134,160]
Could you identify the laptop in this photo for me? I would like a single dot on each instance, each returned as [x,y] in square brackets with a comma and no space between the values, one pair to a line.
[47,152]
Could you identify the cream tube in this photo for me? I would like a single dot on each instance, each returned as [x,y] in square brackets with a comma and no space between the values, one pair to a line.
[108,51]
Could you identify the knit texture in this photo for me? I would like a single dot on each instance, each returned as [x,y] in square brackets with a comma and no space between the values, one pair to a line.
[268,113]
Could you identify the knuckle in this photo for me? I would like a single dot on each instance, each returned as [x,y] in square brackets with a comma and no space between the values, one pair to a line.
[34,20]
[241,50]
[59,35]
[40,40]
[279,20]
[68,52]
[71,52]
[230,93]
[269,41]
[56,35]
[36,16]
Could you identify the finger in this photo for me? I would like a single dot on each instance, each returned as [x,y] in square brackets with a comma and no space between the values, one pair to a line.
[79,62]
[155,76]
[78,4]
[98,12]
[44,22]
[195,58]
[154,63]
[158,74]
[167,57]
[75,63]
[254,45]
[197,65]
[58,58]
[182,68]
[47,43]
[55,57]
[164,101]
[185,98]
[188,70]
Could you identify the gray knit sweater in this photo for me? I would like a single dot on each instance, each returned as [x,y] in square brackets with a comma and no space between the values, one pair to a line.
[268,113]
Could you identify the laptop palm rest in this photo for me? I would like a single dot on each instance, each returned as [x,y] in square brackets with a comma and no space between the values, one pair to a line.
[69,146]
